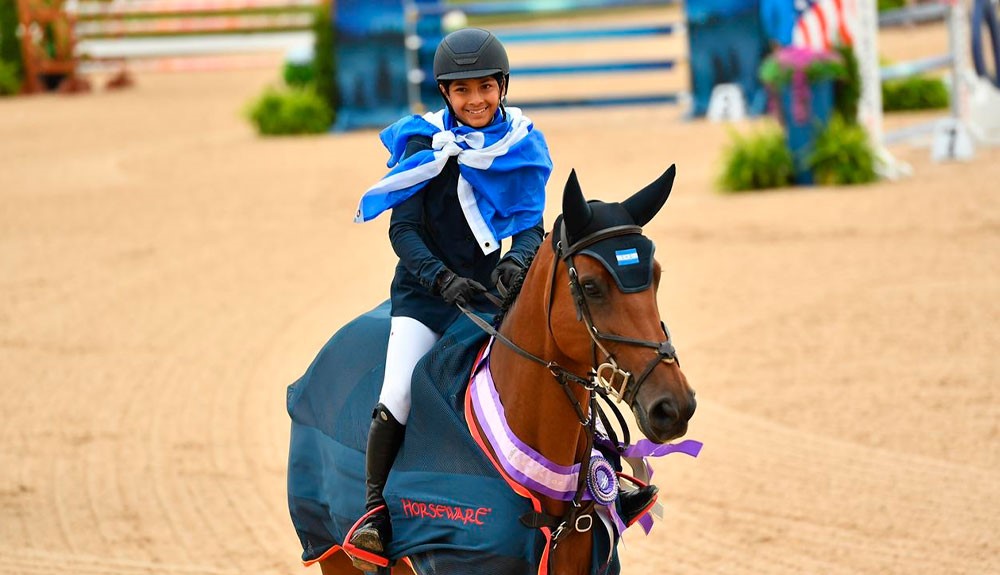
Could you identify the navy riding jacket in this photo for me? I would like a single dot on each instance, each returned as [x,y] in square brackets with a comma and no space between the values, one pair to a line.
[429,233]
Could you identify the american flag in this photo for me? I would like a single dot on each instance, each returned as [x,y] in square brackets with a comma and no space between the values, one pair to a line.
[820,24]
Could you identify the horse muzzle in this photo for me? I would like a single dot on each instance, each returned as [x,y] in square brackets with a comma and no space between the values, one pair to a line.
[665,418]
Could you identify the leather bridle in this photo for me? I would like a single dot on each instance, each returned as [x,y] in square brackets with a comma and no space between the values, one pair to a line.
[607,374]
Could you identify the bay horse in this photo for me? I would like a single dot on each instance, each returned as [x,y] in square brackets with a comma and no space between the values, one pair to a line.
[585,322]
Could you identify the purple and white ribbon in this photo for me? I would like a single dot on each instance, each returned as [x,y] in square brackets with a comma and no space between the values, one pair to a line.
[533,470]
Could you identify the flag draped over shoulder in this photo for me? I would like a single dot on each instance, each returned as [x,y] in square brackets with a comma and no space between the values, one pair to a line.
[503,169]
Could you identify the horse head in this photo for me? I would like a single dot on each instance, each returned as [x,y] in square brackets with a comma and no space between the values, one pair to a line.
[613,279]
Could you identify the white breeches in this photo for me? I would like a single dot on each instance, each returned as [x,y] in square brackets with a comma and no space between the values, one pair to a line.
[409,340]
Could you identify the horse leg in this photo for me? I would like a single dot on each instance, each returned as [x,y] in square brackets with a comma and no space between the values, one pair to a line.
[340,564]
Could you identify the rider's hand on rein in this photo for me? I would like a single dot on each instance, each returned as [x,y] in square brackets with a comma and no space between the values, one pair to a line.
[457,289]
[505,273]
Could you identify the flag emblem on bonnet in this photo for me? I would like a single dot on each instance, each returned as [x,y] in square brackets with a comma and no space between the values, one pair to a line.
[627,257]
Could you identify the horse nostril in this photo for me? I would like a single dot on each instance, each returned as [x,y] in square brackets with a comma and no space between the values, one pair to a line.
[663,414]
[692,405]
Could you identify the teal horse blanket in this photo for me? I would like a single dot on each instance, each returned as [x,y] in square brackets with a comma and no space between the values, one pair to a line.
[451,510]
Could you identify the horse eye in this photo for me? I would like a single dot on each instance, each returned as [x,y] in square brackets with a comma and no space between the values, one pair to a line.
[591,289]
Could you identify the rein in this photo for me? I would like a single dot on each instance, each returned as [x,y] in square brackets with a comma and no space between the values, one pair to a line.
[601,382]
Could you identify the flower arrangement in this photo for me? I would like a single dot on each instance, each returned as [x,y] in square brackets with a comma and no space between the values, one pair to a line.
[819,140]
[800,67]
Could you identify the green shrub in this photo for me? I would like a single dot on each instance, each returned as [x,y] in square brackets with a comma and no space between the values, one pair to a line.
[914,93]
[324,57]
[293,111]
[847,89]
[842,155]
[884,5]
[757,161]
[10,79]
[299,75]
[10,44]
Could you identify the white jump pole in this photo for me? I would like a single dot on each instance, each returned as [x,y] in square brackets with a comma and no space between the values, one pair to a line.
[952,140]
[951,135]
[870,103]
[866,50]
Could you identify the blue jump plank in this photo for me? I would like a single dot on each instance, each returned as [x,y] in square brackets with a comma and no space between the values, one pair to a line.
[667,98]
[562,34]
[593,67]
[612,67]
[536,6]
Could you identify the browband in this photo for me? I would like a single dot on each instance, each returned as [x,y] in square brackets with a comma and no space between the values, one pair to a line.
[597,236]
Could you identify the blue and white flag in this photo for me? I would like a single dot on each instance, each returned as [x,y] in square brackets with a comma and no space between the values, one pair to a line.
[503,169]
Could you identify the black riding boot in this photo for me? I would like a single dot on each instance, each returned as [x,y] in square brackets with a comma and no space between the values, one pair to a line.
[636,501]
[384,438]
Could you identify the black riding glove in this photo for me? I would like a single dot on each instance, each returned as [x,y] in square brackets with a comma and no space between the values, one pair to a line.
[456,289]
[505,273]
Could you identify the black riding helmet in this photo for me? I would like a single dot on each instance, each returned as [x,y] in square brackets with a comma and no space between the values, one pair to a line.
[471,53]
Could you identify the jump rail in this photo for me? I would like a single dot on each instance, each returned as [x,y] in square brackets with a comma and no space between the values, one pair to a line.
[952,127]
[566,33]
[536,7]
[420,48]
[204,25]
[188,34]
[915,67]
[917,14]
[97,8]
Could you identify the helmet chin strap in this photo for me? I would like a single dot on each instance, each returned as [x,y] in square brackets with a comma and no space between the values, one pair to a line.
[503,94]
[443,90]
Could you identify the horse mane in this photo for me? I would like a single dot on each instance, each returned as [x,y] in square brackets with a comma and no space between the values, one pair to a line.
[513,291]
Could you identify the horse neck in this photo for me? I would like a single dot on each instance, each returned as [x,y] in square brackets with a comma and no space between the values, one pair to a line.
[539,411]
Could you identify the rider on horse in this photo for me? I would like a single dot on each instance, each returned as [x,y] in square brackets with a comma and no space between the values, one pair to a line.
[462,179]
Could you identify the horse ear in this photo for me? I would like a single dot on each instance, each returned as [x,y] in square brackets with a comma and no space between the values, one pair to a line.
[644,204]
[576,212]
